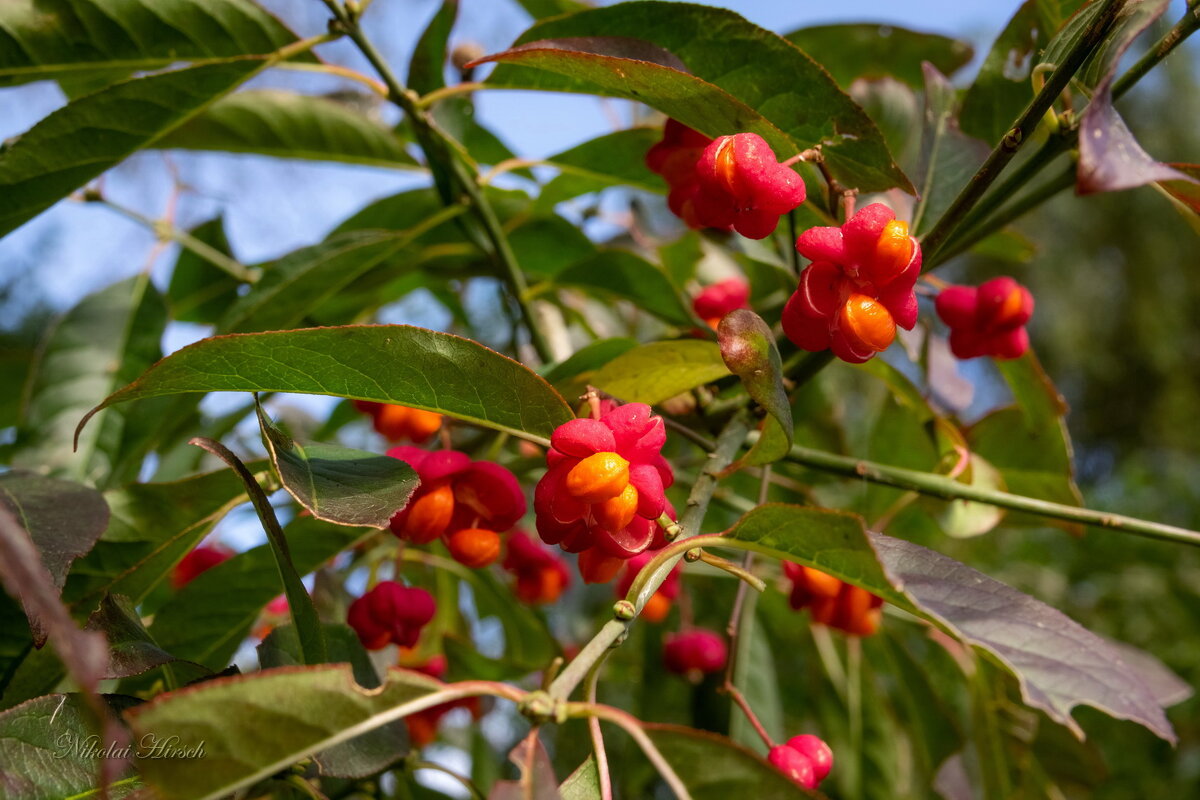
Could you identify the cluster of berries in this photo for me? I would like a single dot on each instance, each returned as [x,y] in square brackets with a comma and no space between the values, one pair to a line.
[728,182]
[603,491]
[466,503]
[805,759]
[833,602]
[401,423]
[860,285]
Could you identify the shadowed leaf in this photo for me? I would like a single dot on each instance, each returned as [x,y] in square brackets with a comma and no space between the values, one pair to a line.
[874,51]
[339,484]
[748,349]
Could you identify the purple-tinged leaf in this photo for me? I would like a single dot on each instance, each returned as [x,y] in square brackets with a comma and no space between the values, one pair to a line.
[1110,158]
[84,653]
[1186,191]
[63,519]
[625,47]
[748,349]
[537,781]
[1057,663]
[131,649]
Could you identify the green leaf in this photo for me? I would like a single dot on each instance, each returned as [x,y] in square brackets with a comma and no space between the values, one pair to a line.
[713,767]
[583,783]
[872,51]
[713,71]
[962,518]
[207,619]
[630,277]
[105,341]
[63,519]
[948,156]
[63,39]
[87,136]
[153,526]
[589,358]
[273,122]
[304,709]
[547,245]
[426,70]
[295,285]
[1003,86]
[657,371]
[748,349]
[1028,442]
[615,159]
[1058,663]
[200,291]
[37,759]
[339,484]
[539,9]
[382,363]
[367,754]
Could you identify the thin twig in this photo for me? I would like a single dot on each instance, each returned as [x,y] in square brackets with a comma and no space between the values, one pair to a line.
[947,489]
[601,754]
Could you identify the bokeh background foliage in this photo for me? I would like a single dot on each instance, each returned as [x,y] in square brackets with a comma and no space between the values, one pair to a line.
[236,182]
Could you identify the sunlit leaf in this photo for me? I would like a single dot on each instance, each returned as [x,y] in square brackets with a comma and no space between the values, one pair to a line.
[283,124]
[59,39]
[657,371]
[87,136]
[382,363]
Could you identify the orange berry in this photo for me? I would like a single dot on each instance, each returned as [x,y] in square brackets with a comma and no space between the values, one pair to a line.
[474,547]
[391,422]
[423,424]
[656,608]
[617,512]
[597,478]
[820,584]
[866,323]
[429,515]
[726,164]
[824,610]
[853,613]
[893,252]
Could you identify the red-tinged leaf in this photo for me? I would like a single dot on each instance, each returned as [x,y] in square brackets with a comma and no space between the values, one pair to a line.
[626,47]
[537,781]
[1110,158]
[1186,192]
[64,520]
[252,726]
[1058,664]
[742,78]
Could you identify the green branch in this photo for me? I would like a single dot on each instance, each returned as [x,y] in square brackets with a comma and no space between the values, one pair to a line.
[438,148]
[1022,129]
[948,489]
